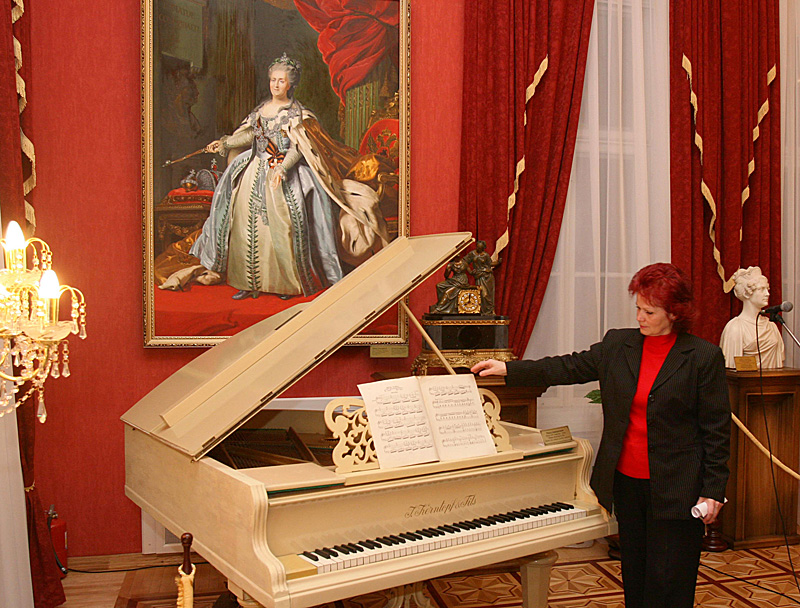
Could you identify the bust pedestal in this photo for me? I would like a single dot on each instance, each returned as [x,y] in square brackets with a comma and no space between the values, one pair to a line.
[750,518]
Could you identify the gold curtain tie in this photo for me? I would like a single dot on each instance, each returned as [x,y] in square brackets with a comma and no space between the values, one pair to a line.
[30,487]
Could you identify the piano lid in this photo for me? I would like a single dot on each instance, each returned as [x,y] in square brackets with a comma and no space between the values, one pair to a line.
[210,397]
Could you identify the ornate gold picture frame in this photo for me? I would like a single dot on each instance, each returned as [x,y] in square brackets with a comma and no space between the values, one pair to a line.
[275,157]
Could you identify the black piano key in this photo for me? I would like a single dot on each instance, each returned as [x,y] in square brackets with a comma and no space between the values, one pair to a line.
[311,556]
[425,532]
[398,539]
[355,547]
[342,549]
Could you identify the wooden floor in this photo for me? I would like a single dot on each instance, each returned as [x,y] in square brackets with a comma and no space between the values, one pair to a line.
[101,590]
[582,578]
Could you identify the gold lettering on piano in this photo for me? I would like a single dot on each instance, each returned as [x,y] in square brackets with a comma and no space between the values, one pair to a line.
[443,507]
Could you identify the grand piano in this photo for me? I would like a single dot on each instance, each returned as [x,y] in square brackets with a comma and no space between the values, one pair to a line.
[275,508]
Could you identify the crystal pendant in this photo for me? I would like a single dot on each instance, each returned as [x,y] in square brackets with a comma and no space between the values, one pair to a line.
[41,412]
[65,369]
[82,332]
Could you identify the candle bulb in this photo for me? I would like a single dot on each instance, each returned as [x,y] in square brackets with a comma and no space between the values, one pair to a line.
[14,245]
[49,293]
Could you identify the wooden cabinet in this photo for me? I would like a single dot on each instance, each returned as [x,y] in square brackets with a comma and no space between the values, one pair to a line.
[752,517]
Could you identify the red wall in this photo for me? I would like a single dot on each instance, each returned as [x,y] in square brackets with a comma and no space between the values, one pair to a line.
[85,106]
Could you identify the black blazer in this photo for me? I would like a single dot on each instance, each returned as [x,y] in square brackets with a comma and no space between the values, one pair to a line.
[688,414]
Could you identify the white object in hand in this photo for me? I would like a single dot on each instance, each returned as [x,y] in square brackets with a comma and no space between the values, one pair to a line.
[700,510]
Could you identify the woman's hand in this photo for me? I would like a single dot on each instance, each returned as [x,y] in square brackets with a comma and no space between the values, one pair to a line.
[215,147]
[713,509]
[490,367]
[276,177]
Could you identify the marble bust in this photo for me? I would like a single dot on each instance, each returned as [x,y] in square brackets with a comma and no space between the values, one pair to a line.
[739,336]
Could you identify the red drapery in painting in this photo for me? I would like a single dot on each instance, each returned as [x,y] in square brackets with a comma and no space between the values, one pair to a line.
[17,177]
[524,63]
[354,36]
[725,148]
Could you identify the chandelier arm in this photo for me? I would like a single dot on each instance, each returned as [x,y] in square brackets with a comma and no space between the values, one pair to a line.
[43,360]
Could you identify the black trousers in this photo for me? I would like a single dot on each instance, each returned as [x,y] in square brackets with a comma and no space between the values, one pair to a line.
[660,557]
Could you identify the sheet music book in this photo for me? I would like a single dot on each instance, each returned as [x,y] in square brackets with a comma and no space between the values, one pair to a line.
[422,419]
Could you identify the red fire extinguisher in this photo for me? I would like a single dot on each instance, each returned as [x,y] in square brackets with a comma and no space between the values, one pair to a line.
[58,536]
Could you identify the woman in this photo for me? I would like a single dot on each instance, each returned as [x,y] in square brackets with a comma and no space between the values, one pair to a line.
[666,430]
[274,221]
[749,334]
[455,279]
[482,267]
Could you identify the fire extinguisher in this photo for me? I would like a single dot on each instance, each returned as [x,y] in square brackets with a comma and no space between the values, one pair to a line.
[58,538]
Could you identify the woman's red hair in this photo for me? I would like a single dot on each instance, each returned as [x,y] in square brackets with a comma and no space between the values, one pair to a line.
[667,286]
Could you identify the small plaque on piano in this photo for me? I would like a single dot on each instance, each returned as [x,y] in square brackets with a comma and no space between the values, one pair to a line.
[559,434]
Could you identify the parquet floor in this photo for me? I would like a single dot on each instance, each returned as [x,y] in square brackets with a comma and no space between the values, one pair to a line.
[582,578]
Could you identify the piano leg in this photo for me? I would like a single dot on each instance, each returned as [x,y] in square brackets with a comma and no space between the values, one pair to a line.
[535,574]
[242,597]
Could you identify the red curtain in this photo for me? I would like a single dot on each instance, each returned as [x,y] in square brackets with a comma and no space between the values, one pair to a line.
[47,588]
[12,202]
[725,148]
[354,36]
[524,63]
[16,177]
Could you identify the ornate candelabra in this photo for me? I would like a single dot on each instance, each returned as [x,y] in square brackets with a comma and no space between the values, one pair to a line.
[34,345]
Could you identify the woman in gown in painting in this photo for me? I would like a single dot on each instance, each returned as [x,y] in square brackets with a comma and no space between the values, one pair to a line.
[275,224]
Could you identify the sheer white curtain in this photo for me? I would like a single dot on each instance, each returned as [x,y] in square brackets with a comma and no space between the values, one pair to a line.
[617,213]
[15,570]
[790,139]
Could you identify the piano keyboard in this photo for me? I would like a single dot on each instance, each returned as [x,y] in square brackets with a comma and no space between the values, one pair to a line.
[349,555]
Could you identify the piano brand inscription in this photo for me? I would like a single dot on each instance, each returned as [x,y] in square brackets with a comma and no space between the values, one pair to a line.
[443,507]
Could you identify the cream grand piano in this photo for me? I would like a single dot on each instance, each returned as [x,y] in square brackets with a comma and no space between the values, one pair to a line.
[316,520]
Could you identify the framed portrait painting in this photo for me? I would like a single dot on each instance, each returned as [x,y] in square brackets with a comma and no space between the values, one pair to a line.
[275,140]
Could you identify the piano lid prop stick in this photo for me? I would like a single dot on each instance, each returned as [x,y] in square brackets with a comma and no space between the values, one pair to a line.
[427,338]
[185,581]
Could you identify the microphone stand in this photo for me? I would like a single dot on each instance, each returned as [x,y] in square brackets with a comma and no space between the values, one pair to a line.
[776,317]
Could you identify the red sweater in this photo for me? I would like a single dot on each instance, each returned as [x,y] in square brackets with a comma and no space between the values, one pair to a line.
[633,461]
